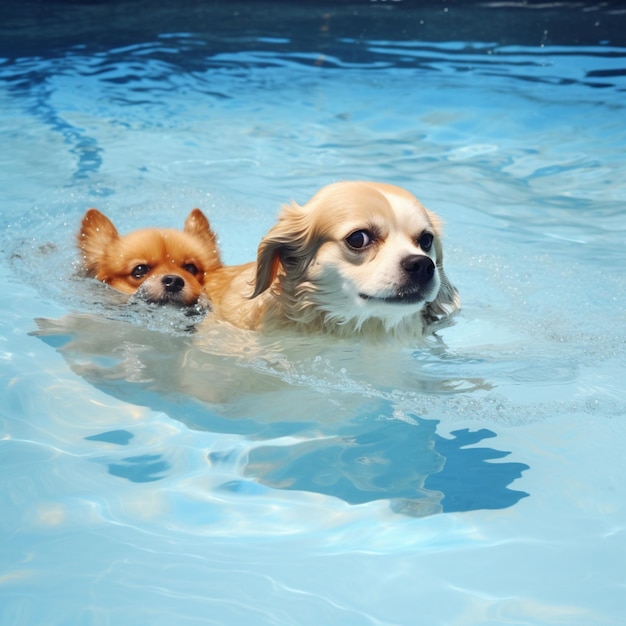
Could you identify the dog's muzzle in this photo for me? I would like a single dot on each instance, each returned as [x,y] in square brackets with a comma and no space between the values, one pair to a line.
[167,289]
[172,283]
[419,268]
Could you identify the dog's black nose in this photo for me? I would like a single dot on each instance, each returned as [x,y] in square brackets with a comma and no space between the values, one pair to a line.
[173,283]
[419,267]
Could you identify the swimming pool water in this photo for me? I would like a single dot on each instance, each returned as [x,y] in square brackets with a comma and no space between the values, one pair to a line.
[154,475]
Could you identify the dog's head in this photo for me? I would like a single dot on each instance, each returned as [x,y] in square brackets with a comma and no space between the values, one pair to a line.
[161,265]
[357,252]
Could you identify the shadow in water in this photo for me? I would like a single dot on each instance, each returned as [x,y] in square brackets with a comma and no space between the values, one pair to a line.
[352,444]
[407,463]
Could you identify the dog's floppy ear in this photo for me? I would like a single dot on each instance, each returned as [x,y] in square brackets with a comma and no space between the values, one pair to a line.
[94,237]
[287,245]
[198,225]
[447,301]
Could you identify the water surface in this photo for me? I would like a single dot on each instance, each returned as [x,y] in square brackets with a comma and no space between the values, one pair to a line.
[151,474]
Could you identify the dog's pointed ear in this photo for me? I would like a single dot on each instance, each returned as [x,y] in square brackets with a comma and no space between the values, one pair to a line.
[94,238]
[287,247]
[198,225]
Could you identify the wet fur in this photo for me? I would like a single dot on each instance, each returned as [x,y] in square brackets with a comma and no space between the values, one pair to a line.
[306,276]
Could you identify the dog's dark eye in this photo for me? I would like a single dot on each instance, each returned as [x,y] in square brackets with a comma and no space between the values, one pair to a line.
[359,239]
[426,241]
[140,271]
[191,268]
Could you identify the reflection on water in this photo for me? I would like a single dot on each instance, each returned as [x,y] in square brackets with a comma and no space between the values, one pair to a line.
[140,469]
[330,419]
[468,479]
[407,463]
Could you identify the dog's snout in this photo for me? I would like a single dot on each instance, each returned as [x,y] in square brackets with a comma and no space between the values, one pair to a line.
[419,267]
[173,283]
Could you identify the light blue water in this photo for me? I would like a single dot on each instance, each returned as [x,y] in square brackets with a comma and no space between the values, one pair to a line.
[154,476]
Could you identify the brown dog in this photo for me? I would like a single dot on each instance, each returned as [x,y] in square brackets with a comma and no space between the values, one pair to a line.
[162,265]
[360,258]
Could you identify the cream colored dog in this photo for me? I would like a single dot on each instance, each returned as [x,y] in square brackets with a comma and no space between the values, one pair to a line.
[360,258]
